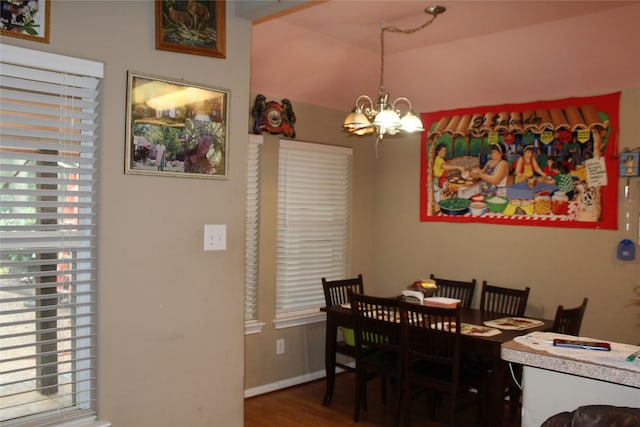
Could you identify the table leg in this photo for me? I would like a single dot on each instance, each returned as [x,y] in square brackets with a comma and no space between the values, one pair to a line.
[330,360]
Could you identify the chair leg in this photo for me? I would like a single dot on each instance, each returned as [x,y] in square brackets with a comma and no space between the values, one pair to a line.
[397,404]
[452,408]
[383,389]
[514,403]
[406,405]
[358,400]
[360,397]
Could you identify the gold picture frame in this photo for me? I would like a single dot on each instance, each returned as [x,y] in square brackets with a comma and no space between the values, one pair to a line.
[175,128]
[191,26]
[28,21]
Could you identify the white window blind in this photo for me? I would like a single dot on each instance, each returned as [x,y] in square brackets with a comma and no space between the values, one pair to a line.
[314,211]
[252,229]
[48,182]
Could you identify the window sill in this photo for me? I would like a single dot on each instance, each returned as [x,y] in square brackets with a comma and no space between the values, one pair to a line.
[253,327]
[300,320]
[86,421]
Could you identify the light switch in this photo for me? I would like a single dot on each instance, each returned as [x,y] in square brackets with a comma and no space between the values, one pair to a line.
[215,237]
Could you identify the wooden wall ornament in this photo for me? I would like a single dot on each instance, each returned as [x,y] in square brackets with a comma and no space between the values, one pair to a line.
[273,117]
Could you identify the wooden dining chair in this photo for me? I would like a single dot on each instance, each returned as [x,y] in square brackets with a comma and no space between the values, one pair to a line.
[507,301]
[432,359]
[569,320]
[378,352]
[336,292]
[456,289]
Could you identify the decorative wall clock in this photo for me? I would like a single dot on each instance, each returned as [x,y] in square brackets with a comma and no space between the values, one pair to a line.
[273,117]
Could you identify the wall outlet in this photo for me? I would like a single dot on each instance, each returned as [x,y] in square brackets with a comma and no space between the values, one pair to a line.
[280,346]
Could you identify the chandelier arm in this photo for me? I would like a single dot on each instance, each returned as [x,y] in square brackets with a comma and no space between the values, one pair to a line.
[366,105]
[401,99]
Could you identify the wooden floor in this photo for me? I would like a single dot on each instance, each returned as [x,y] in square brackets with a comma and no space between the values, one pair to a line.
[301,406]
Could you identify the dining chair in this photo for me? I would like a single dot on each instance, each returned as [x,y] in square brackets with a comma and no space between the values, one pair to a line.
[455,289]
[378,351]
[569,320]
[336,292]
[507,301]
[432,359]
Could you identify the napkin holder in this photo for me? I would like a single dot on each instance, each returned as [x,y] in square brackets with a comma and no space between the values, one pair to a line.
[413,296]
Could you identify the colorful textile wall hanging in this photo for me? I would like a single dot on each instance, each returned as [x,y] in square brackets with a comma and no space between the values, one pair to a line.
[545,163]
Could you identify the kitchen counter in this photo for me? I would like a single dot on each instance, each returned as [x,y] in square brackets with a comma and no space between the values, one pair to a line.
[524,355]
[558,379]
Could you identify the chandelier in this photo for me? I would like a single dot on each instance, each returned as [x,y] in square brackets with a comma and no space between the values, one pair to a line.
[383,117]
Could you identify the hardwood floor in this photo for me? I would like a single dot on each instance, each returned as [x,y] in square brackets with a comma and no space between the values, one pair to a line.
[301,406]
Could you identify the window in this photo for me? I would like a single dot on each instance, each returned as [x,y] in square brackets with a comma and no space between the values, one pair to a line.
[252,325]
[48,182]
[314,210]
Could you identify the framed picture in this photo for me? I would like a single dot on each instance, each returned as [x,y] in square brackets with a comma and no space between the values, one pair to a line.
[175,128]
[630,163]
[191,26]
[26,19]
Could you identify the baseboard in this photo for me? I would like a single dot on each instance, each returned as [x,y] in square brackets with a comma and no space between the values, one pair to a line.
[289,382]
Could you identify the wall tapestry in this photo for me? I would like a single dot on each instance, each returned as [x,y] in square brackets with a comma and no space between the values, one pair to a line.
[546,163]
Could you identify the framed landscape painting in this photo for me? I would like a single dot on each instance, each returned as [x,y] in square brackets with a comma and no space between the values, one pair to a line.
[26,19]
[175,128]
[191,26]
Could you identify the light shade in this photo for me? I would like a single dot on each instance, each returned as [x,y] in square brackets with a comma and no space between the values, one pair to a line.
[411,123]
[356,120]
[387,119]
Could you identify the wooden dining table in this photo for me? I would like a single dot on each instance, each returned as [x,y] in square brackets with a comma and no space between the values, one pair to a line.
[487,347]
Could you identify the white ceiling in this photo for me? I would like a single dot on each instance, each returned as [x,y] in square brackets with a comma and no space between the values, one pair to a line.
[478,52]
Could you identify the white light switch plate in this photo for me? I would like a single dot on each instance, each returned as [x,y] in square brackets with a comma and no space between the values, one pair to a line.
[215,237]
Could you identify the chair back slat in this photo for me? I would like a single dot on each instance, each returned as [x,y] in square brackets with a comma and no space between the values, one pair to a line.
[508,301]
[336,292]
[456,289]
[431,334]
[569,320]
[377,322]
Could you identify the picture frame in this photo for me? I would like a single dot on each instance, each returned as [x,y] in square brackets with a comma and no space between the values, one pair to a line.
[175,128]
[29,21]
[630,163]
[191,26]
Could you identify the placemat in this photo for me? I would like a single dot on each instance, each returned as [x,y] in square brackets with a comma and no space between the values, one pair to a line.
[513,323]
[471,329]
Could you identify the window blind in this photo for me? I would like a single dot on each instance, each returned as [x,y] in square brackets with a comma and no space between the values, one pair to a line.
[314,212]
[48,182]
[252,229]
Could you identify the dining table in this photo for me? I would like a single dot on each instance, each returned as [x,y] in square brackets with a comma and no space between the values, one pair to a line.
[486,346]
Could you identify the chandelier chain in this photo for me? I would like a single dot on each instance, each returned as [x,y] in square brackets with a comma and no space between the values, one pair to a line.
[396,30]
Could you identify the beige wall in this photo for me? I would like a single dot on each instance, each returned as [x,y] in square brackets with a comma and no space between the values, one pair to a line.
[171,318]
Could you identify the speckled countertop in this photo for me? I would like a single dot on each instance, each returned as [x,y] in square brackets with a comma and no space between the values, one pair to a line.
[518,353]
